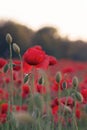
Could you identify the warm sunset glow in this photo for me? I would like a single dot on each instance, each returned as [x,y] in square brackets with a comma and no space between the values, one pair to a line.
[70,16]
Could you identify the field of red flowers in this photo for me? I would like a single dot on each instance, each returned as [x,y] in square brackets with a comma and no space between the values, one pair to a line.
[39,92]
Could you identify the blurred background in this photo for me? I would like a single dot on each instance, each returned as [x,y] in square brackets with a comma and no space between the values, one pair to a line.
[59,26]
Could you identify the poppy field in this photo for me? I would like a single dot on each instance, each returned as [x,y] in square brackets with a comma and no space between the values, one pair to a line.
[39,92]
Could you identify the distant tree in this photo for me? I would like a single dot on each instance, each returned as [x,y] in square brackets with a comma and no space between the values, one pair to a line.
[46,37]
[50,39]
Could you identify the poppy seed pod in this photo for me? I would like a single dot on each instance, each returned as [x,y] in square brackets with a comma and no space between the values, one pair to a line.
[9,38]
[64,85]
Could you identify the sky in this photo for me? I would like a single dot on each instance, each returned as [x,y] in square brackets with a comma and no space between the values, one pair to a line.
[68,16]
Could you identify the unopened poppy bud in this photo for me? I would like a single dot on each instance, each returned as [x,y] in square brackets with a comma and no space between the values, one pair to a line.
[26,77]
[41,80]
[79,96]
[58,77]
[16,48]
[9,38]
[64,85]
[75,82]
[67,109]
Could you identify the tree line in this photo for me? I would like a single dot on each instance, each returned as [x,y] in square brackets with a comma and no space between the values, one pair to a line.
[48,37]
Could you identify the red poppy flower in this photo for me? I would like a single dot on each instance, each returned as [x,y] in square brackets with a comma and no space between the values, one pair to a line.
[55,86]
[14,76]
[78,113]
[26,67]
[52,60]
[19,81]
[54,102]
[55,110]
[7,80]
[70,101]
[40,88]
[24,95]
[3,117]
[25,89]
[17,65]
[2,62]
[3,94]
[84,94]
[68,70]
[24,107]
[34,55]
[18,108]
[82,85]
[4,108]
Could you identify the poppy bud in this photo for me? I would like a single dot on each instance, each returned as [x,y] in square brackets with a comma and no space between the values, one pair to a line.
[16,48]
[64,85]
[79,96]
[9,38]
[75,82]
[58,77]
[41,80]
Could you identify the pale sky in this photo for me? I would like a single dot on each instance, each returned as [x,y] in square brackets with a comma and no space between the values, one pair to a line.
[70,16]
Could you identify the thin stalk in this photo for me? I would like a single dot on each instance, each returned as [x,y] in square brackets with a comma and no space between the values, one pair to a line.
[32,87]
[2,128]
[11,75]
[65,105]
[21,67]
[59,122]
[21,77]
[38,120]
[74,117]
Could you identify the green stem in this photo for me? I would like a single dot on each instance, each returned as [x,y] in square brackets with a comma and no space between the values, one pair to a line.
[39,119]
[65,103]
[59,122]
[11,75]
[31,84]
[74,117]
[21,77]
